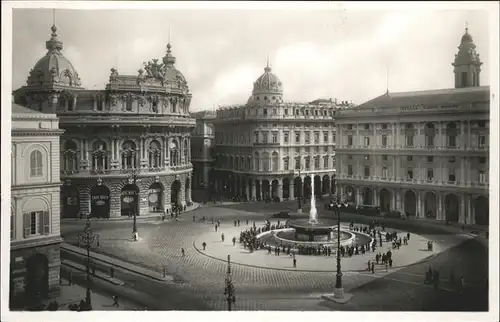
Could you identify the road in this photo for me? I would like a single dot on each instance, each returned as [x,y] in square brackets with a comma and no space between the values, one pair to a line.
[200,279]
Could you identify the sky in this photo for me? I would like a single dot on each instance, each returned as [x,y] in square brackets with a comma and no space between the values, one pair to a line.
[338,52]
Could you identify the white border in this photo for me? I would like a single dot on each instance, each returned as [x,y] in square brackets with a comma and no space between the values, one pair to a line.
[492,7]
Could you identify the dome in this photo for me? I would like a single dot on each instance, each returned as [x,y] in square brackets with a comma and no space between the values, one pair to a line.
[466,38]
[54,68]
[267,89]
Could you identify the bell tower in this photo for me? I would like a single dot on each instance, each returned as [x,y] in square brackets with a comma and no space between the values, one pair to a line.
[467,64]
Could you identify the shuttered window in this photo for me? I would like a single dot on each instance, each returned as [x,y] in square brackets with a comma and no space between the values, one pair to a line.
[36,164]
[36,223]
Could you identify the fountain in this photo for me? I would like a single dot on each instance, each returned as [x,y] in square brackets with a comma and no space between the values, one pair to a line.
[313,232]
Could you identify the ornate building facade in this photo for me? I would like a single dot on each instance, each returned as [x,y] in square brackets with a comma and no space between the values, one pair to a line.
[202,154]
[271,149]
[126,149]
[423,153]
[34,231]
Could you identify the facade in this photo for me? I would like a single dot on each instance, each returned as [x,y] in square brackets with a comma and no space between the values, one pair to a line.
[423,153]
[271,149]
[202,155]
[126,149]
[34,231]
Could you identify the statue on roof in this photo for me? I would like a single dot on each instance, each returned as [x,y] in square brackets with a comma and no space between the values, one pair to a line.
[155,70]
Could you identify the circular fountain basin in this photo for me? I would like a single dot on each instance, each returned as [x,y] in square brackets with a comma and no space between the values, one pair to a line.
[306,230]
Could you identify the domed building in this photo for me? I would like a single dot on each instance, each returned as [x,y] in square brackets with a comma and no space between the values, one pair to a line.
[126,148]
[271,149]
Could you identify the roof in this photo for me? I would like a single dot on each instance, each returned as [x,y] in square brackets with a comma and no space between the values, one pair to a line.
[430,97]
[204,114]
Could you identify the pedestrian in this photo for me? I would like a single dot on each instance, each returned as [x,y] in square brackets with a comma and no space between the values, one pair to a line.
[234,241]
[235,223]
[183,252]
[212,220]
[373,268]
[294,263]
[204,245]
[194,218]
[215,227]
[386,266]
[390,262]
[238,223]
[222,237]
[247,221]
[369,265]
[115,301]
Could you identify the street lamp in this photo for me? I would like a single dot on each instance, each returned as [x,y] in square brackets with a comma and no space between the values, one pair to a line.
[339,290]
[134,212]
[88,237]
[229,290]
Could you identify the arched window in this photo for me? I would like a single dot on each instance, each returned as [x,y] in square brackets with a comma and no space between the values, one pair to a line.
[256,162]
[36,164]
[70,161]
[451,135]
[429,135]
[154,154]
[99,156]
[276,161]
[174,154]
[128,155]
[265,162]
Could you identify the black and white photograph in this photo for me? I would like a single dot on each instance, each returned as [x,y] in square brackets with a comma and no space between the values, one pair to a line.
[176,157]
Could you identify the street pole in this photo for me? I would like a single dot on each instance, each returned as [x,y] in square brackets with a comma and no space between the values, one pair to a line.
[88,237]
[136,200]
[339,290]
[299,190]
[229,290]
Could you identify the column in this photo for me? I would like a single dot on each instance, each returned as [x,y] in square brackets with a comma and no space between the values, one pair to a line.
[291,191]
[189,199]
[113,152]
[462,171]
[342,192]
[440,215]
[247,189]
[254,192]
[462,212]
[420,213]
[280,191]
[472,211]
[114,203]
[358,196]
[376,199]
[84,196]
[393,200]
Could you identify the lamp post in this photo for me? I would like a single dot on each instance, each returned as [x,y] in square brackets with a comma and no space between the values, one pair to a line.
[339,290]
[88,237]
[135,234]
[229,290]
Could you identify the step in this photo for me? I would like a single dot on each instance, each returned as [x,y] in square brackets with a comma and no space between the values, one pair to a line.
[98,274]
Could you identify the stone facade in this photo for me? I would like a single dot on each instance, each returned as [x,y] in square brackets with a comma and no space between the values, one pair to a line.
[424,154]
[35,209]
[268,148]
[126,149]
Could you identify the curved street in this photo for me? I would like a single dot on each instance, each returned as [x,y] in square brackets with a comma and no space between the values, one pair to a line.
[199,279]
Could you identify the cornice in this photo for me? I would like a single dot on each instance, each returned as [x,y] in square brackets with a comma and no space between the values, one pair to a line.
[37,132]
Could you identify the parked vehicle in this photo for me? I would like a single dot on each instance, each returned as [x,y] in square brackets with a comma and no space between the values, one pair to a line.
[369,210]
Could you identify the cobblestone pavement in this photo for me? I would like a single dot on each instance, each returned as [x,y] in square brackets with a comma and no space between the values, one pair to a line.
[202,277]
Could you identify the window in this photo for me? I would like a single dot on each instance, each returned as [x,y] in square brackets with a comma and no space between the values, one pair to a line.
[451,160]
[308,163]
[409,174]
[285,163]
[481,124]
[482,160]
[349,170]
[451,175]
[316,162]
[307,149]
[316,137]
[275,137]
[36,164]
[349,140]
[316,149]
[349,157]
[409,158]
[367,157]
[482,177]
[264,137]
[367,171]
[429,141]
[384,172]
[325,137]
[36,222]
[308,137]
[333,137]
[128,105]
[384,141]
[409,140]
[452,141]
[349,126]
[384,157]
[256,137]
[285,137]
[430,174]
[325,149]
[325,162]
[481,141]
[367,126]
[286,111]
[297,150]
[297,163]
[384,126]
[367,141]
[265,110]
[430,159]
[71,105]
[297,137]
[274,111]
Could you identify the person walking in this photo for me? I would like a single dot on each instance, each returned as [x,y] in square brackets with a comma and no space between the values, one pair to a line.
[373,268]
[234,241]
[115,301]
[215,227]
[369,265]
[294,263]
[183,252]
[204,245]
[222,237]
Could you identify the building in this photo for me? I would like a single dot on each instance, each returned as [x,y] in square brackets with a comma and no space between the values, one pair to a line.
[268,148]
[35,186]
[422,153]
[202,155]
[126,148]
